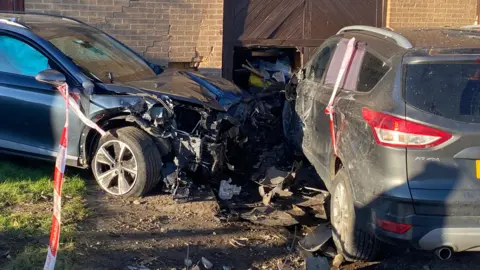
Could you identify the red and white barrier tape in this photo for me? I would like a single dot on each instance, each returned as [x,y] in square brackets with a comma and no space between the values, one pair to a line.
[58,176]
[330,109]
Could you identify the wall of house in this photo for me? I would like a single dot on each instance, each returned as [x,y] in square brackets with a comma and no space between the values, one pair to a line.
[162,30]
[430,13]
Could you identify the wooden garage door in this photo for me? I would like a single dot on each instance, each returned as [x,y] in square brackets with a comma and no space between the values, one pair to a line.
[257,20]
[12,5]
[294,23]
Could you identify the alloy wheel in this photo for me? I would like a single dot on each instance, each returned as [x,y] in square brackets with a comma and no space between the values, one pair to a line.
[115,167]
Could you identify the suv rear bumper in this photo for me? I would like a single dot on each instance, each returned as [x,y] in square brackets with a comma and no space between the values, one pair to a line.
[459,239]
[461,233]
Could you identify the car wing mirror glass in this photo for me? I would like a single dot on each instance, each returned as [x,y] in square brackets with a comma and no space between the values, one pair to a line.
[51,76]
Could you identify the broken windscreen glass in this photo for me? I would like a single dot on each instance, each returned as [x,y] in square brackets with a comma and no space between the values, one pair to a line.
[100,55]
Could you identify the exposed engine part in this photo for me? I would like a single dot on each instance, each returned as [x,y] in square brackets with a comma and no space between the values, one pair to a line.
[199,136]
[188,152]
[176,182]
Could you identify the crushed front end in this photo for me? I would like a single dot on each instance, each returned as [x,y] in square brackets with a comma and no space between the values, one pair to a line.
[198,137]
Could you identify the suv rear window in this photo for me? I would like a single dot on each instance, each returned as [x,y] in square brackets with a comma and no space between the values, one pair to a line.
[448,89]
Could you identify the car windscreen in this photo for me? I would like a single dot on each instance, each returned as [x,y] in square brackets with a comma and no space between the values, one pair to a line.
[99,56]
[448,89]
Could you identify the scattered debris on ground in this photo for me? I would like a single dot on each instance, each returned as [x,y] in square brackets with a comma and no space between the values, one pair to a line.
[227,190]
[164,234]
[317,239]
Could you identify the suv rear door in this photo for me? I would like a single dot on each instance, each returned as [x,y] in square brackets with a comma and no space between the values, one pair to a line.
[444,93]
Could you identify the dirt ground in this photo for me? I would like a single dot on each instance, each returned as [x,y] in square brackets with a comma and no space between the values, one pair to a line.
[156,232]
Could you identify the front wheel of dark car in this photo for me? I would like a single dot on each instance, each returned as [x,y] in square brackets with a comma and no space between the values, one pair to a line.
[127,162]
[350,239]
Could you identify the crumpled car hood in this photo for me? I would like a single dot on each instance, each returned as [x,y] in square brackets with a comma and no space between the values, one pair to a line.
[216,93]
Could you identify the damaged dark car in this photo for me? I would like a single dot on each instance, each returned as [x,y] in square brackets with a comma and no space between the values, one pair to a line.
[153,116]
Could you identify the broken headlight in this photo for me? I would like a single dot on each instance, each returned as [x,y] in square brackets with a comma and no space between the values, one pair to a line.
[158,111]
[158,114]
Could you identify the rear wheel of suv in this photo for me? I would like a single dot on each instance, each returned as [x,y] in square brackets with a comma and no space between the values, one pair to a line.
[354,243]
[127,162]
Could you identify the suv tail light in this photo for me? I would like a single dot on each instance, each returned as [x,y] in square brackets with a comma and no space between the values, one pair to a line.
[393,131]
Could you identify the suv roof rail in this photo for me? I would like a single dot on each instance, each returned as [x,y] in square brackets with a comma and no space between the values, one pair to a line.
[399,39]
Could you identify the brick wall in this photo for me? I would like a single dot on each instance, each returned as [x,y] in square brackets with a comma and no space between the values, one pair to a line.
[162,30]
[431,13]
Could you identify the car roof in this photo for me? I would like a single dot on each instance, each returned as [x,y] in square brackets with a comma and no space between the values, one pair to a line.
[46,26]
[417,41]
[442,38]
[29,20]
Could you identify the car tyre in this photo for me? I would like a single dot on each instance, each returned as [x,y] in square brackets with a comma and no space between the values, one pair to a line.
[351,241]
[127,162]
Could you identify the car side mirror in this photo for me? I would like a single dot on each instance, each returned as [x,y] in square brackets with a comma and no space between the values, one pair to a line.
[52,77]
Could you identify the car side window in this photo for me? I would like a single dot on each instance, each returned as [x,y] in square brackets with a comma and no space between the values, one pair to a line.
[372,71]
[320,63]
[17,57]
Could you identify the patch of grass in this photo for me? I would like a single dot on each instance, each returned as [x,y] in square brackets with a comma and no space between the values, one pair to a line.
[20,184]
[28,224]
[33,257]
[26,203]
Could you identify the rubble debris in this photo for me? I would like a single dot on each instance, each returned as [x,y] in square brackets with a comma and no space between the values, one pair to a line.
[257,81]
[170,174]
[274,177]
[315,240]
[227,215]
[317,263]
[287,194]
[147,261]
[275,181]
[253,70]
[136,202]
[188,262]
[279,77]
[206,263]
[241,242]
[330,252]
[227,190]
[296,211]
[338,260]
[269,216]
[176,182]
